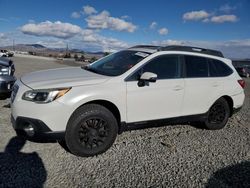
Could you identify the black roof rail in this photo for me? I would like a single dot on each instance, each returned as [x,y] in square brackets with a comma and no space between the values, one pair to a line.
[191,49]
[181,48]
[146,46]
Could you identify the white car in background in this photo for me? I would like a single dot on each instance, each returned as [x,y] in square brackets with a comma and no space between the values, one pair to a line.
[85,108]
[3,54]
[6,53]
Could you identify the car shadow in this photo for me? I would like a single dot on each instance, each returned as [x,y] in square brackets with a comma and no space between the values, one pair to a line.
[232,176]
[197,125]
[6,105]
[19,169]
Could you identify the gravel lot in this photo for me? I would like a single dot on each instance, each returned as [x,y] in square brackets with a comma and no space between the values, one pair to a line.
[171,156]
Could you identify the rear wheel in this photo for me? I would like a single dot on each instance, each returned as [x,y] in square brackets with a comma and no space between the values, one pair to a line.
[218,115]
[91,130]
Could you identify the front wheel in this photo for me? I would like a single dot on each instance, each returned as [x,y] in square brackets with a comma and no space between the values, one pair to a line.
[91,130]
[218,115]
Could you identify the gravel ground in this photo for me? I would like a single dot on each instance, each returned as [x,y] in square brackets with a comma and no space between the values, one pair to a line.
[171,156]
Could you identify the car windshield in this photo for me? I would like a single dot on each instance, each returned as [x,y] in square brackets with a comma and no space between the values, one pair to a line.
[117,63]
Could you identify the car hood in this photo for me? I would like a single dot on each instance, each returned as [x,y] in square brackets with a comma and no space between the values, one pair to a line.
[4,61]
[62,77]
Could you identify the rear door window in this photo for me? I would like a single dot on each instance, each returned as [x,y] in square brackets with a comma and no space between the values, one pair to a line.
[196,67]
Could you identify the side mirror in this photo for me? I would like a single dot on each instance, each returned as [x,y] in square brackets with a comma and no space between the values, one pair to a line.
[148,76]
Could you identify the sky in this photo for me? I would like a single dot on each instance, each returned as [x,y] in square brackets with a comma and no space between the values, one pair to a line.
[111,25]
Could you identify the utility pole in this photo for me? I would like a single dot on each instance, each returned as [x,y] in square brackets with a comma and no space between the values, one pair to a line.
[67,49]
[13,47]
[67,53]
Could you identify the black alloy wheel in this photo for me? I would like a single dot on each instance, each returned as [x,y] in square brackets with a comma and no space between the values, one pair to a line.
[91,130]
[218,115]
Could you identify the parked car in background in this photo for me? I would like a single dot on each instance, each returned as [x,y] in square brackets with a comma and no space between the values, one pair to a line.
[86,107]
[2,53]
[244,71]
[7,77]
[10,54]
[6,53]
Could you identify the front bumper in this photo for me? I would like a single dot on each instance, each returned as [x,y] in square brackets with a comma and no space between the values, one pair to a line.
[54,115]
[35,130]
[6,83]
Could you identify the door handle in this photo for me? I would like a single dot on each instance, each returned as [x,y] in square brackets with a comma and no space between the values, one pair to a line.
[178,88]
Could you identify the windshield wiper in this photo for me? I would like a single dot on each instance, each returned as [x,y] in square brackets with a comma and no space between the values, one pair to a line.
[88,68]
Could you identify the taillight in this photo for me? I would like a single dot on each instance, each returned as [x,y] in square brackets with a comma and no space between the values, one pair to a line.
[242,83]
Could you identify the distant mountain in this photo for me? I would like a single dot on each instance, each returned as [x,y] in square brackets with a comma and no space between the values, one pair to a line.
[36,45]
[37,48]
[96,53]
[44,51]
[26,47]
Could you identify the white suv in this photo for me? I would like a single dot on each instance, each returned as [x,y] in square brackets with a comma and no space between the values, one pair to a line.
[85,108]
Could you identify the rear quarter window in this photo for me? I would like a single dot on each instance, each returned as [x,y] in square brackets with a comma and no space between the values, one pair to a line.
[219,69]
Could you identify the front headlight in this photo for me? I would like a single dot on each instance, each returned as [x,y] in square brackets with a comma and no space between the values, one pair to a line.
[44,95]
[4,71]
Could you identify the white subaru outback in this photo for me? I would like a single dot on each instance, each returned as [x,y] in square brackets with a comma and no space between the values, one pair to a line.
[85,108]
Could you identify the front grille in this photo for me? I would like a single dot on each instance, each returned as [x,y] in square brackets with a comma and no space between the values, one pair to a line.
[14,92]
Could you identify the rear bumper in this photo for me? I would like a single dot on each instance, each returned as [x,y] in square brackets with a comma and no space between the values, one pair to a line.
[238,100]
[35,130]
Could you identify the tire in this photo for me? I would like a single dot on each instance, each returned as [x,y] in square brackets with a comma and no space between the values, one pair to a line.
[91,130]
[63,144]
[218,115]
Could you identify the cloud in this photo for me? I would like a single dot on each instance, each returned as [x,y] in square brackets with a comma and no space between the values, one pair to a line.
[206,17]
[88,10]
[75,15]
[2,36]
[125,17]
[104,43]
[227,8]
[4,39]
[52,43]
[224,18]
[245,43]
[105,21]
[163,31]
[195,15]
[111,44]
[72,34]
[206,20]
[153,25]
[54,29]
[4,19]
[31,21]
[168,42]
